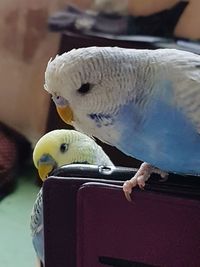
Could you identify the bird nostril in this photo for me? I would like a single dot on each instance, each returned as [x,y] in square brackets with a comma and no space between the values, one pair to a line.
[44,159]
[59,100]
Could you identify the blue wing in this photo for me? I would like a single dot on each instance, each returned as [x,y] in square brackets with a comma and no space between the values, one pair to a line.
[161,134]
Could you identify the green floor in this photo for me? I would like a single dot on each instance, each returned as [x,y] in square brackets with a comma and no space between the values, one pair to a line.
[15,240]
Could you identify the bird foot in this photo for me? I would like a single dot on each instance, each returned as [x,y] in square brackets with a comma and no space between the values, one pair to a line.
[141,176]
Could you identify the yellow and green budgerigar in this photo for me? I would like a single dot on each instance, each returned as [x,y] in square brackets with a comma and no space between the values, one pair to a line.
[55,149]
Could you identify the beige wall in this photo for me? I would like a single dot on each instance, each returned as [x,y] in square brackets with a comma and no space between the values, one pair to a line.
[25,47]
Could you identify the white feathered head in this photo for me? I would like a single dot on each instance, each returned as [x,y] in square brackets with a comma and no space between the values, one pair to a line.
[92,83]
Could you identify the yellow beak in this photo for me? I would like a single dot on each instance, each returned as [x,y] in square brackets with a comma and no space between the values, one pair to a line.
[44,170]
[66,114]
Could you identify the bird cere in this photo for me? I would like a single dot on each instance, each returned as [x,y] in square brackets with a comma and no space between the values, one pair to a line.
[54,149]
[144,102]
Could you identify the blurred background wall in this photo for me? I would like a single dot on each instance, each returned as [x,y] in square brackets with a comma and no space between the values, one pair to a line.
[25,47]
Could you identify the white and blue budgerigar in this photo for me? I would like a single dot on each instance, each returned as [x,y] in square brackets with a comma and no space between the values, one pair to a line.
[55,149]
[144,102]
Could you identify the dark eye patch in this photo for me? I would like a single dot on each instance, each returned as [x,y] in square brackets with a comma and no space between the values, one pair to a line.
[85,88]
[63,147]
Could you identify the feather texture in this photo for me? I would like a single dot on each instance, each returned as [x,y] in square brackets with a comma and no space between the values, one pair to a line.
[144,102]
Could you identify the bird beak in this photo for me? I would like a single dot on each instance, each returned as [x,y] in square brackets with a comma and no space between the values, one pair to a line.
[66,113]
[44,169]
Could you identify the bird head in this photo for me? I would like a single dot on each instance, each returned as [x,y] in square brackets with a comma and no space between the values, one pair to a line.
[61,147]
[89,81]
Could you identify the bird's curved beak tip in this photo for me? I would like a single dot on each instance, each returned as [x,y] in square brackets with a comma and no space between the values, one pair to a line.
[65,113]
[44,170]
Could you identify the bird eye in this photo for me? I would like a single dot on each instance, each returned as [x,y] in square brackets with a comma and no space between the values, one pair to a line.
[63,147]
[85,88]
